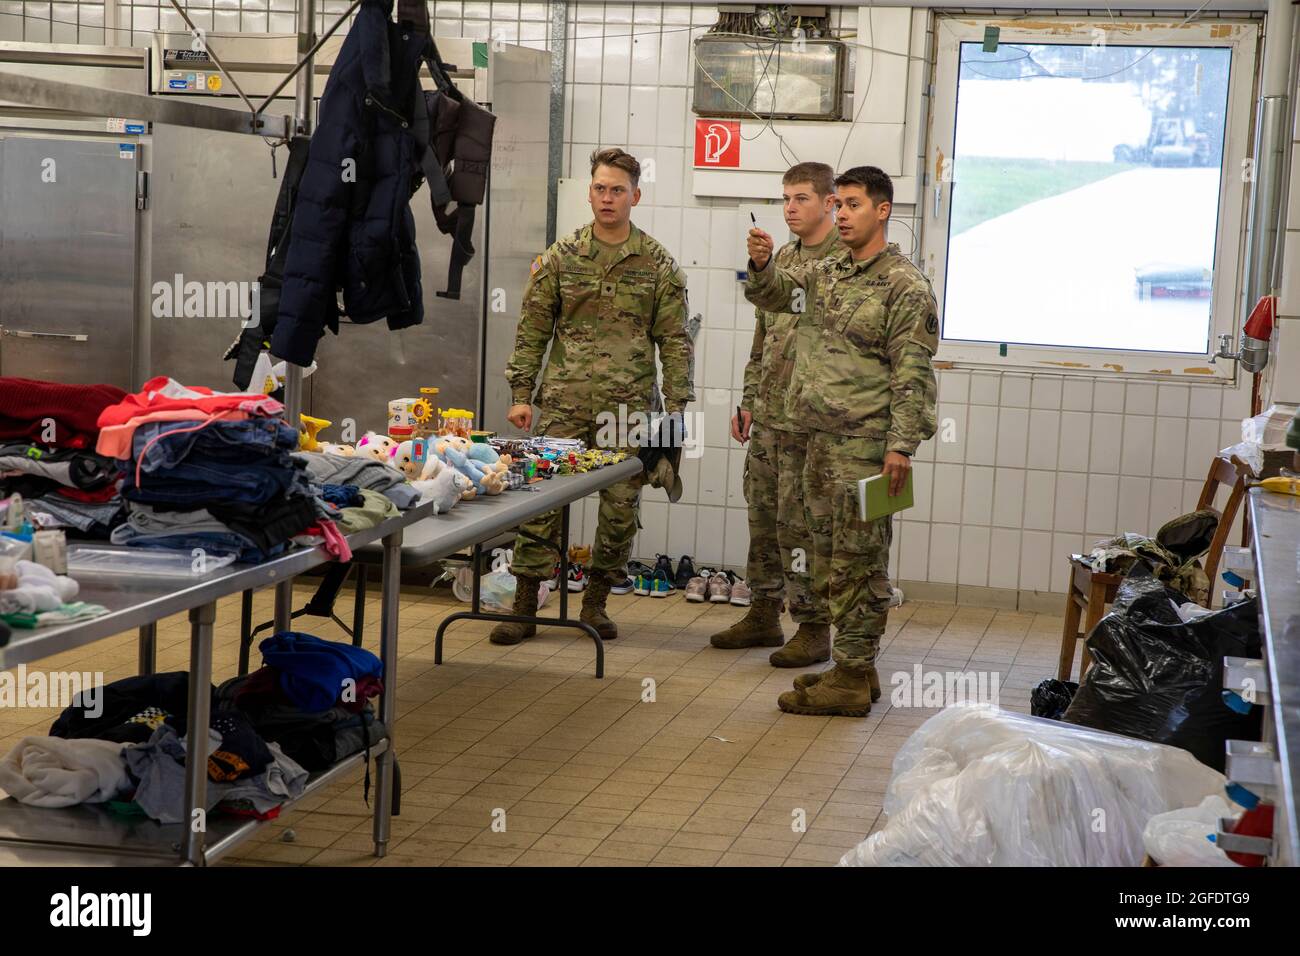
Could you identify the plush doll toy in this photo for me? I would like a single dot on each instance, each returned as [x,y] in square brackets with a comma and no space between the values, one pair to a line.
[407,459]
[444,489]
[376,446]
[329,448]
[485,453]
[452,450]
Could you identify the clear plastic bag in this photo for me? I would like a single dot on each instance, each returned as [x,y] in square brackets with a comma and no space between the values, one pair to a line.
[497,589]
[90,560]
[1181,837]
[976,786]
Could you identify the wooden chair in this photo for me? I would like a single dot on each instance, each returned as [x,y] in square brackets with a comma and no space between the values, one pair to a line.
[1089,592]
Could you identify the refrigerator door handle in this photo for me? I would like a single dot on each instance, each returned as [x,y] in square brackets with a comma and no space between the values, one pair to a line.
[25,334]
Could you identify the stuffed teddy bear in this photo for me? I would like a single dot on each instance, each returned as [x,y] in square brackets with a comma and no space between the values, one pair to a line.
[377,446]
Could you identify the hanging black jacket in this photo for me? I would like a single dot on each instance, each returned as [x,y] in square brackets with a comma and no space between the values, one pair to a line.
[352,226]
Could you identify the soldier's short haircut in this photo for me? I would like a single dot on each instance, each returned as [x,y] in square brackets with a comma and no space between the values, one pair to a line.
[874,181]
[619,159]
[820,175]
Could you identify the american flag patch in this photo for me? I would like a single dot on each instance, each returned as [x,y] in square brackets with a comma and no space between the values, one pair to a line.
[537,264]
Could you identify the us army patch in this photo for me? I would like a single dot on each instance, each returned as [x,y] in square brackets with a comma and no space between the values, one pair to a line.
[932,324]
[537,264]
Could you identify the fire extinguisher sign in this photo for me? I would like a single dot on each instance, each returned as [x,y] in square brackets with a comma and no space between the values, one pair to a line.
[717,144]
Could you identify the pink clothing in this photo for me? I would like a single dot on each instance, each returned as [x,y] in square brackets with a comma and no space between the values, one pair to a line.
[336,543]
[115,440]
[162,393]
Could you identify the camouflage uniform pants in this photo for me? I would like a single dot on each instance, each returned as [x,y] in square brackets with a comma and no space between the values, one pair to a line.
[850,566]
[616,525]
[780,549]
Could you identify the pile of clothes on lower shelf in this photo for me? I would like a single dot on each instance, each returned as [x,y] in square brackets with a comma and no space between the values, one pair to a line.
[125,744]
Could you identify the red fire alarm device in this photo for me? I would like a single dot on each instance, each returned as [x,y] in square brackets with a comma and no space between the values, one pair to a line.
[717,144]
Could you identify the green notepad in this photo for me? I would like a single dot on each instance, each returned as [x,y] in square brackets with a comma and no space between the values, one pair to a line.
[874,500]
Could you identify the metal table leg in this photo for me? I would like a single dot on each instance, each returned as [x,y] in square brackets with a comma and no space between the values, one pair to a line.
[388,618]
[148,648]
[359,604]
[200,712]
[245,629]
[477,614]
[284,606]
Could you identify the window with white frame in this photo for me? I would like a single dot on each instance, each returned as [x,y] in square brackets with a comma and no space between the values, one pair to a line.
[1086,190]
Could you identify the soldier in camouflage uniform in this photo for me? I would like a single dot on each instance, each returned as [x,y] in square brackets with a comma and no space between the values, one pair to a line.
[780,549]
[865,386]
[604,299]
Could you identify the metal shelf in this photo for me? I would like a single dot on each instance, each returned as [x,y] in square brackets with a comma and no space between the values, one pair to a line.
[35,836]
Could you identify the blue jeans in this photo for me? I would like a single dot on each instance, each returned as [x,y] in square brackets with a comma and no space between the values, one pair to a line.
[199,482]
[247,441]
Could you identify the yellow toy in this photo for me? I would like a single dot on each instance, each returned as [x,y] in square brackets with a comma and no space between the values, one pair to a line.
[311,427]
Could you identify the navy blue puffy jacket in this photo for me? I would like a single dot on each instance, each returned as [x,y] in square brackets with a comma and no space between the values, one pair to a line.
[357,235]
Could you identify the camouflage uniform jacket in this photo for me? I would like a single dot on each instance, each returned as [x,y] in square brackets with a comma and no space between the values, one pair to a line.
[865,339]
[603,326]
[771,356]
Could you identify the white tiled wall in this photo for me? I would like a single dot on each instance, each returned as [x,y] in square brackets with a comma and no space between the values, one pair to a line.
[1037,465]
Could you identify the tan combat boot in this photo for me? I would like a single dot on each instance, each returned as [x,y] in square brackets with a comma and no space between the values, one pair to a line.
[760,627]
[807,680]
[512,632]
[842,692]
[810,645]
[593,607]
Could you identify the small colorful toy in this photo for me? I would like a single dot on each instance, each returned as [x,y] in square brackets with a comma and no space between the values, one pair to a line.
[311,427]
[413,413]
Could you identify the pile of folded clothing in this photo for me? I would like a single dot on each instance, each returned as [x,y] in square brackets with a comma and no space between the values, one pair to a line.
[367,474]
[47,436]
[208,470]
[311,697]
[125,744]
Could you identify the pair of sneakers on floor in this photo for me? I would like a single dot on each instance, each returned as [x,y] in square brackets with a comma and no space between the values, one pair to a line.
[661,580]
[718,587]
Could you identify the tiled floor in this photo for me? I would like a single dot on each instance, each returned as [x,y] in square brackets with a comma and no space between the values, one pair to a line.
[519,756]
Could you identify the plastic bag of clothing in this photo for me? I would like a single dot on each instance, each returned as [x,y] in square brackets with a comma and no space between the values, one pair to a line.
[1051,697]
[1157,677]
[497,590]
[976,786]
[1181,837]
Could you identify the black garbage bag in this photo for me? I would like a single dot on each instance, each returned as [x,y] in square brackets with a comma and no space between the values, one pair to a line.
[1051,697]
[1157,678]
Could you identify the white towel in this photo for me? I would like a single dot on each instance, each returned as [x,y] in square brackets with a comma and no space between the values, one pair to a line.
[54,772]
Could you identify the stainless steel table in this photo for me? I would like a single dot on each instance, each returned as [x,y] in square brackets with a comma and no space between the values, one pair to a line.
[473,522]
[90,835]
[77,835]
[1275,527]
